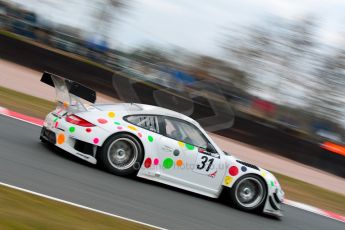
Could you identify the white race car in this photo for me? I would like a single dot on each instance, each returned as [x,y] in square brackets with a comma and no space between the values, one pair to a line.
[157,144]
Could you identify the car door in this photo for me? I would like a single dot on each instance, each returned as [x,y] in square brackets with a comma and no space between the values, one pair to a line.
[186,163]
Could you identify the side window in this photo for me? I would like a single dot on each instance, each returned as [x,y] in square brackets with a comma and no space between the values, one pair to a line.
[184,132]
[146,122]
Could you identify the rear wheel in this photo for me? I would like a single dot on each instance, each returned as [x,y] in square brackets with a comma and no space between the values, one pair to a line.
[248,193]
[121,155]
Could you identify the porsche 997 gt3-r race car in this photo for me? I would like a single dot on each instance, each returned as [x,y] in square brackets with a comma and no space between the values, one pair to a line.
[154,143]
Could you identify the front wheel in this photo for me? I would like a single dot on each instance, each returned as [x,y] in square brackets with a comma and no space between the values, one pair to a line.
[248,193]
[121,155]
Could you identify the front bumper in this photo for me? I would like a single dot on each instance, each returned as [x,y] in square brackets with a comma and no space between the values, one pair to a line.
[274,203]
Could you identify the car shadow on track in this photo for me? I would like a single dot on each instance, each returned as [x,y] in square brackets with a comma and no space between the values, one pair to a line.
[65,155]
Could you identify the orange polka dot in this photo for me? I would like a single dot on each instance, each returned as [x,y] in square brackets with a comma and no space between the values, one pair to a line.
[61,139]
[65,104]
[179,163]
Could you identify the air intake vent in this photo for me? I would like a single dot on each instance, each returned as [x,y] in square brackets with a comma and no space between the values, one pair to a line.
[248,165]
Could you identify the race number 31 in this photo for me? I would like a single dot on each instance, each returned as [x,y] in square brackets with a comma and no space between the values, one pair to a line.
[205,164]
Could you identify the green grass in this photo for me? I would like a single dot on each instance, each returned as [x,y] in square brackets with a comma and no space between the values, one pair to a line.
[21,210]
[25,104]
[296,190]
[301,191]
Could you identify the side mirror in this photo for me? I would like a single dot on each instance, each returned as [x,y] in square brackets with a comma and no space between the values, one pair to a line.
[210,148]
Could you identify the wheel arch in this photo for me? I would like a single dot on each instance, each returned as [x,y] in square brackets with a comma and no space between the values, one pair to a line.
[225,188]
[130,134]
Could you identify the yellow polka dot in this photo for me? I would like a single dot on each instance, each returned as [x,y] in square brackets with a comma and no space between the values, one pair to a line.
[61,139]
[263,174]
[181,144]
[227,180]
[132,127]
[111,114]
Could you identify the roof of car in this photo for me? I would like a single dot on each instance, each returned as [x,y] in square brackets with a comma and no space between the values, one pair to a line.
[150,109]
[136,108]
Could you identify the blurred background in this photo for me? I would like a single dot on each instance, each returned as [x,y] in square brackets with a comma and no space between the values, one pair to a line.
[279,64]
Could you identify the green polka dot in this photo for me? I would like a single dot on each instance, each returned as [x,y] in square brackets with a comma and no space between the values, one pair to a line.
[190,147]
[55,119]
[168,163]
[117,123]
[150,138]
[272,183]
[72,129]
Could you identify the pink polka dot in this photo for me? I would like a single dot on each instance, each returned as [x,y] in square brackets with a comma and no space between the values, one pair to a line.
[88,130]
[140,135]
[156,161]
[119,127]
[95,140]
[102,121]
[56,124]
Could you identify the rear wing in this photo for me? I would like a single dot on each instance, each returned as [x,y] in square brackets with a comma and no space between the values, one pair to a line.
[65,88]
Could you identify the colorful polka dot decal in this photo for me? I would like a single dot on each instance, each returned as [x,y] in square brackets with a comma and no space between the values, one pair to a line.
[168,163]
[156,161]
[272,183]
[72,129]
[56,119]
[111,114]
[95,140]
[190,147]
[181,144]
[150,138]
[60,138]
[102,121]
[227,180]
[88,130]
[119,127]
[176,152]
[233,170]
[117,123]
[243,168]
[131,127]
[263,174]
[65,104]
[179,162]
[148,162]
[140,135]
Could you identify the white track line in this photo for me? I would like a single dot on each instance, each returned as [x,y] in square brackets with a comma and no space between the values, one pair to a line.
[78,205]
[306,207]
[2,110]
[315,210]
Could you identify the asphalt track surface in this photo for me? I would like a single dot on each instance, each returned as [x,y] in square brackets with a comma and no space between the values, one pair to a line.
[27,163]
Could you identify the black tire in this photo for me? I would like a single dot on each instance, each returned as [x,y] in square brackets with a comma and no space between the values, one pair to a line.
[247,186]
[121,154]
